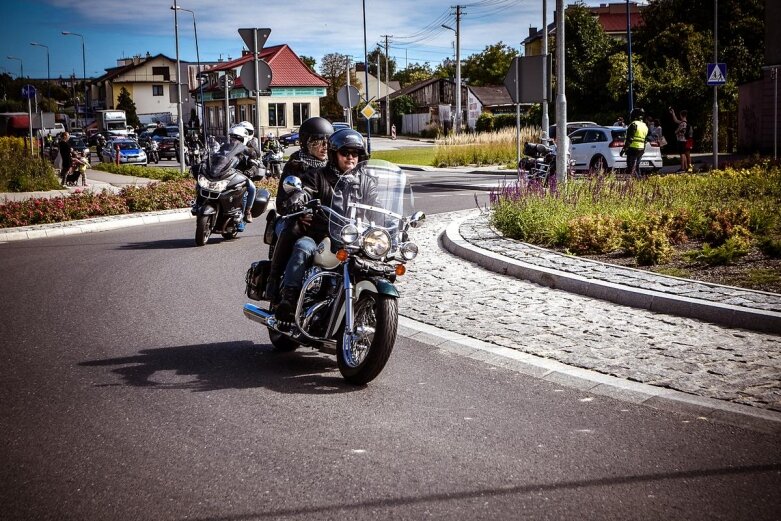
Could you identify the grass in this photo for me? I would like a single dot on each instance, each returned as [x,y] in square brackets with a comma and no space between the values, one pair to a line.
[423,156]
[761,276]
[482,148]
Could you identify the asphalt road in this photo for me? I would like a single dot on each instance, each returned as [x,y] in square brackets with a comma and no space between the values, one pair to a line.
[134,388]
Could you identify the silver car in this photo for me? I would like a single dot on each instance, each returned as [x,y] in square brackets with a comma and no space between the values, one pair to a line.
[598,148]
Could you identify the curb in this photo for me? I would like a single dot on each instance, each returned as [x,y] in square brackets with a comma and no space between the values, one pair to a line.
[593,382]
[96,224]
[715,312]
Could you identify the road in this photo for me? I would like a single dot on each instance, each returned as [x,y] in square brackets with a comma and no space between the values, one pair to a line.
[133,388]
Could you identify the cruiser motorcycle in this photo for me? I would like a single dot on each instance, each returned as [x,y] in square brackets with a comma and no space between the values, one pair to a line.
[220,192]
[348,304]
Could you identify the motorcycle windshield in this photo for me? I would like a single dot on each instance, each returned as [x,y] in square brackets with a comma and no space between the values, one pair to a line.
[224,159]
[370,196]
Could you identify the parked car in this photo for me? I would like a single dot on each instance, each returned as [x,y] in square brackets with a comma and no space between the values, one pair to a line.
[598,148]
[130,152]
[80,145]
[339,125]
[571,127]
[290,138]
[76,131]
[168,147]
[173,130]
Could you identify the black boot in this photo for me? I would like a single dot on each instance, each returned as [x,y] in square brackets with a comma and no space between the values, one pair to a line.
[287,305]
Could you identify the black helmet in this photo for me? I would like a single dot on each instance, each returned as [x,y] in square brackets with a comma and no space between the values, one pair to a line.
[637,113]
[346,139]
[314,128]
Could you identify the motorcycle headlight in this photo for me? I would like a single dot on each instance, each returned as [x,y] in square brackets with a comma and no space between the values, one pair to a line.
[409,250]
[376,243]
[349,234]
[213,186]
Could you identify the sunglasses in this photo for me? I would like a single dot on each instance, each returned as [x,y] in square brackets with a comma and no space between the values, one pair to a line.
[349,153]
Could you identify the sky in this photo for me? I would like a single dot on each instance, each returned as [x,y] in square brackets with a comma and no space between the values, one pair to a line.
[113,29]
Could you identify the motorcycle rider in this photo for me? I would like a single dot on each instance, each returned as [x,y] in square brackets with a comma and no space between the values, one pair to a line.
[313,136]
[239,134]
[253,140]
[345,150]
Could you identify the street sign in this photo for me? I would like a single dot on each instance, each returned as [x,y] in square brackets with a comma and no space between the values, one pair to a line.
[248,35]
[717,74]
[348,96]
[524,79]
[368,112]
[247,75]
[28,92]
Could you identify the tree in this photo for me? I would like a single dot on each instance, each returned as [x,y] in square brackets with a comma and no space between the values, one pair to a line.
[333,68]
[490,66]
[376,54]
[309,61]
[413,74]
[125,102]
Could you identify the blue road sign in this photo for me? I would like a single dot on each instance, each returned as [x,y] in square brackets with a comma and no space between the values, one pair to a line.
[28,92]
[717,74]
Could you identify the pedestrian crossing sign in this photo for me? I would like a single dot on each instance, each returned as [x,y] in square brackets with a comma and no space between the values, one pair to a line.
[717,73]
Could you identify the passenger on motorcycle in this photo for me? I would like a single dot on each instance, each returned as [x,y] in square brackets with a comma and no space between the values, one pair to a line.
[253,141]
[313,136]
[240,134]
[345,151]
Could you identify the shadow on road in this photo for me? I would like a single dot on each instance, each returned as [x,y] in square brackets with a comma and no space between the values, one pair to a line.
[165,244]
[228,365]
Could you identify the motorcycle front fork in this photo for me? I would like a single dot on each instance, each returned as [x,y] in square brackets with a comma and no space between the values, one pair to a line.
[349,319]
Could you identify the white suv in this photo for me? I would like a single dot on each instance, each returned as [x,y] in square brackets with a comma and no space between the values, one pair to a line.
[598,148]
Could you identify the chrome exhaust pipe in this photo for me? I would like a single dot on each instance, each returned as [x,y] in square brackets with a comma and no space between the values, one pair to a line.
[261,316]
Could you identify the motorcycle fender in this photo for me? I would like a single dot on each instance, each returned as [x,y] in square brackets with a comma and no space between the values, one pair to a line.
[324,256]
[207,209]
[379,286]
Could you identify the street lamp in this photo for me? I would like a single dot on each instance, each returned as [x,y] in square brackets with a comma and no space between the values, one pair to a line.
[84,65]
[458,69]
[21,64]
[198,74]
[48,69]
[175,9]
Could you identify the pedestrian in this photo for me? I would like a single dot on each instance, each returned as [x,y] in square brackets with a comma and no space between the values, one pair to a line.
[66,155]
[658,133]
[683,139]
[634,144]
[619,122]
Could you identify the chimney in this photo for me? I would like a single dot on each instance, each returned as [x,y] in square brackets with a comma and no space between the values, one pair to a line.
[532,31]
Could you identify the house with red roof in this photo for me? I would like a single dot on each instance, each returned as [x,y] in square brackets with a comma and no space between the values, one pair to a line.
[293,96]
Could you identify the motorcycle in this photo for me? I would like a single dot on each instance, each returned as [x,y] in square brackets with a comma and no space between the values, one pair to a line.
[194,151]
[220,192]
[273,161]
[152,151]
[348,304]
[539,164]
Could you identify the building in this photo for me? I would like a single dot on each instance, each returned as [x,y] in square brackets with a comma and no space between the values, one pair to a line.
[435,100]
[293,96]
[151,82]
[612,18]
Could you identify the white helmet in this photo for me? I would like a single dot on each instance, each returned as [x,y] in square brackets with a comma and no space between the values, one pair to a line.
[250,128]
[240,133]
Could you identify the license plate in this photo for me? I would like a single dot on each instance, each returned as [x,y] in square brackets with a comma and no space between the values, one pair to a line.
[645,163]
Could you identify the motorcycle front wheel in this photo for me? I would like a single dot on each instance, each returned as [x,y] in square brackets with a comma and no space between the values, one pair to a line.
[376,320]
[202,229]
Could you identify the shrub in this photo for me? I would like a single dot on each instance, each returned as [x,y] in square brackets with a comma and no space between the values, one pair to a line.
[592,234]
[770,246]
[733,248]
[162,174]
[21,173]
[723,222]
[653,249]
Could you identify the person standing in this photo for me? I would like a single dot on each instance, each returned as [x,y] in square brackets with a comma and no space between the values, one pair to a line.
[66,155]
[681,137]
[634,144]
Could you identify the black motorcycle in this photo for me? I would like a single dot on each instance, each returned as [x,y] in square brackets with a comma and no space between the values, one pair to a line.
[220,192]
[348,303]
[539,164]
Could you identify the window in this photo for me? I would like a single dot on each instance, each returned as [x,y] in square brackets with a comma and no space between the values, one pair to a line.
[594,136]
[577,137]
[276,114]
[300,113]
[162,71]
[157,90]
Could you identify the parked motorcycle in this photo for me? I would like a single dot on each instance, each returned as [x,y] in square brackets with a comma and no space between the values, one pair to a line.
[539,164]
[348,304]
[220,191]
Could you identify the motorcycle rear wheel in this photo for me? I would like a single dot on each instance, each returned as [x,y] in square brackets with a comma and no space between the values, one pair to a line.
[202,230]
[376,321]
[281,343]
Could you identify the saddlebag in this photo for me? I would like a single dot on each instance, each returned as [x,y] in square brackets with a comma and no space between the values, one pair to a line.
[257,276]
[271,221]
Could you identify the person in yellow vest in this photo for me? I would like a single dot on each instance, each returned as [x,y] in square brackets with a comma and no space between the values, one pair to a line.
[634,144]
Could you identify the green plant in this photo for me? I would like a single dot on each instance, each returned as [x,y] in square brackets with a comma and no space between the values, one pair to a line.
[723,223]
[21,173]
[770,246]
[162,174]
[592,234]
[732,249]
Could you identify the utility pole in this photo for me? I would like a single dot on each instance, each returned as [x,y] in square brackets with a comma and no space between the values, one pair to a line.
[715,87]
[545,71]
[179,91]
[387,79]
[629,64]
[349,109]
[562,158]
[366,77]
[458,69]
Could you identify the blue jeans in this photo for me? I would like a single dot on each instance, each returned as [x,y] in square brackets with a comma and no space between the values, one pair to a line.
[249,196]
[300,259]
